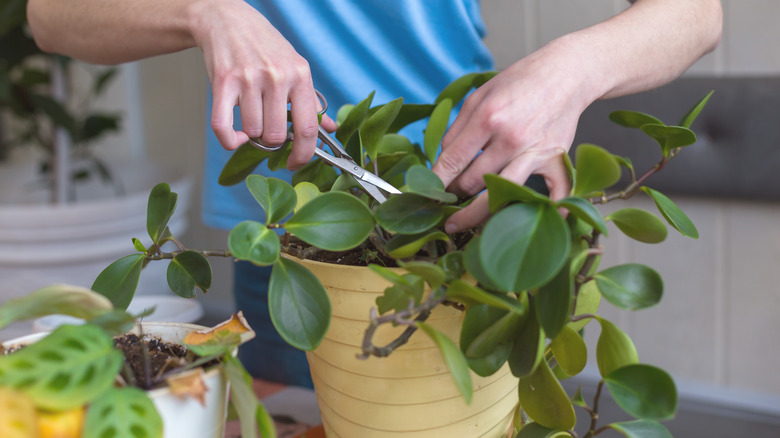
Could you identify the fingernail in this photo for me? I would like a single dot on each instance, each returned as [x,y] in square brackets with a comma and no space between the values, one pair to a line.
[450,228]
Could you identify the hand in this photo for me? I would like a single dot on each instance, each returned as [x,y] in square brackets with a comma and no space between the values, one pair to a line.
[250,64]
[521,121]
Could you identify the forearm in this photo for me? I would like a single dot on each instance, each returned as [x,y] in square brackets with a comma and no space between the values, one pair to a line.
[647,45]
[111,32]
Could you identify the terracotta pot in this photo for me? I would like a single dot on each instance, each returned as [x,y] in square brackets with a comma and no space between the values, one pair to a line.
[410,393]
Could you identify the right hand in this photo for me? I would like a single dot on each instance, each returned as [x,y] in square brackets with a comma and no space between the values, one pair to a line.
[250,64]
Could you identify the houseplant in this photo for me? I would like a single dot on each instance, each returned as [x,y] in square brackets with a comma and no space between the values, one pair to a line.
[59,189]
[78,382]
[524,285]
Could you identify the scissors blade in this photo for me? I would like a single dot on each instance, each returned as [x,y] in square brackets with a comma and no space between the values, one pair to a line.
[370,182]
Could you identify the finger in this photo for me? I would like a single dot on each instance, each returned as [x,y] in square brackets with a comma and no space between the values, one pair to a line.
[471,181]
[557,179]
[222,119]
[463,117]
[457,155]
[303,109]
[471,216]
[251,103]
[329,124]
[274,116]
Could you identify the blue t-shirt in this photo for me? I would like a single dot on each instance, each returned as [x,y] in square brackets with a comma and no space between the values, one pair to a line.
[408,48]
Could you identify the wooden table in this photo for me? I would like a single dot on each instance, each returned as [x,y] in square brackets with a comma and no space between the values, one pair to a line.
[278,400]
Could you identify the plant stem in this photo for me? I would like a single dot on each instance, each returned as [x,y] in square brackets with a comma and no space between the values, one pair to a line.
[205,252]
[404,317]
[635,186]
[594,413]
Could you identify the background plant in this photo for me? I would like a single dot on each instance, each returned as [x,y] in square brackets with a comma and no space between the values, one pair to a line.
[27,97]
[528,281]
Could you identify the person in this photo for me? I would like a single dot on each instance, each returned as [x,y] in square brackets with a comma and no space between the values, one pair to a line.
[261,55]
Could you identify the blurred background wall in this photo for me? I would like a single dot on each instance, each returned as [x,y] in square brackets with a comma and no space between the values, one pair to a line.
[719,320]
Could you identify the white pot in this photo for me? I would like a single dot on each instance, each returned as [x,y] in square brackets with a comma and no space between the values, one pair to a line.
[41,244]
[182,417]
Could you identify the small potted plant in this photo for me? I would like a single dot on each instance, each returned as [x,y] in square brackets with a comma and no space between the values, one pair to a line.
[115,376]
[494,314]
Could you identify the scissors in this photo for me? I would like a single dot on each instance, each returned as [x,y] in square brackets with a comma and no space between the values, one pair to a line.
[340,159]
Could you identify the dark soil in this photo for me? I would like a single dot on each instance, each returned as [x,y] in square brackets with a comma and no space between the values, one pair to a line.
[365,254]
[147,362]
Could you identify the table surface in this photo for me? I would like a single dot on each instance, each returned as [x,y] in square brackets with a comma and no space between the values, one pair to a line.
[294,410]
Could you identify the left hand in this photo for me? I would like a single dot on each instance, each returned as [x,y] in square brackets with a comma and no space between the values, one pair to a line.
[522,121]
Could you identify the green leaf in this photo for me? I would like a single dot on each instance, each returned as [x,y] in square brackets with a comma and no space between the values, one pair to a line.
[669,137]
[644,391]
[453,265]
[408,214]
[277,197]
[123,412]
[399,296]
[642,429]
[396,174]
[502,192]
[342,113]
[460,87]
[376,126]
[528,348]
[614,348]
[597,170]
[588,301]
[422,181]
[305,192]
[456,362]
[633,119]
[278,160]
[251,412]
[535,430]
[162,203]
[298,304]
[75,301]
[119,280]
[138,245]
[473,263]
[317,172]
[544,400]
[639,225]
[554,301]
[570,351]
[577,399]
[254,242]
[437,126]
[467,293]
[395,144]
[430,272]
[672,213]
[476,320]
[189,269]
[334,221]
[402,246]
[410,113]
[687,120]
[501,331]
[631,286]
[585,210]
[354,119]
[66,369]
[524,245]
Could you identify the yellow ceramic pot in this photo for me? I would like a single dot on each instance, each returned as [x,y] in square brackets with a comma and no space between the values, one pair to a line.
[410,393]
